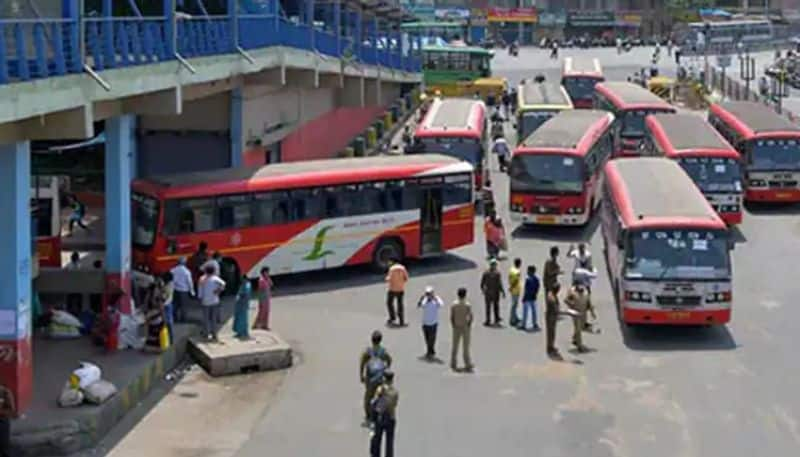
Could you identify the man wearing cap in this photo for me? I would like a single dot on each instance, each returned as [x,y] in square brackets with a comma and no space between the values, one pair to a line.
[430,304]
[492,287]
[183,286]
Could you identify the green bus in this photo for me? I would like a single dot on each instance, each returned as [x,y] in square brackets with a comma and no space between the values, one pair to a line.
[455,70]
[447,31]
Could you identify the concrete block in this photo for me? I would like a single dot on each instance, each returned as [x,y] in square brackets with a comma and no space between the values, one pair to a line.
[264,351]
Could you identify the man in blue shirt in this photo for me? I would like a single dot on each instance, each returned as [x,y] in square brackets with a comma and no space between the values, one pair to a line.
[529,295]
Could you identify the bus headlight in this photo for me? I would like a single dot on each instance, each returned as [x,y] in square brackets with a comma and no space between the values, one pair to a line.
[517,208]
[575,210]
[643,297]
[719,297]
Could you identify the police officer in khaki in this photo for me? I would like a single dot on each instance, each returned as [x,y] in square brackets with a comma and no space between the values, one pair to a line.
[461,320]
[578,300]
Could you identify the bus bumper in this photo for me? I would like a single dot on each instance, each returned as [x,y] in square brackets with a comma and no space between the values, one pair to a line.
[772,195]
[677,317]
[550,219]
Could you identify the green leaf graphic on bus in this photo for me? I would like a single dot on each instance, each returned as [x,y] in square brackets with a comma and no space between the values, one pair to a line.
[319,240]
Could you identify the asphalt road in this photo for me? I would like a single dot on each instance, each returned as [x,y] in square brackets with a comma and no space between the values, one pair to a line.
[671,392]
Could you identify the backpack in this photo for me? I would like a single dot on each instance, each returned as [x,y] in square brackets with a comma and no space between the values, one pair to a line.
[376,365]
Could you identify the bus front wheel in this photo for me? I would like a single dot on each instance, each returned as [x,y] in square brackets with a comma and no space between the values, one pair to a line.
[386,250]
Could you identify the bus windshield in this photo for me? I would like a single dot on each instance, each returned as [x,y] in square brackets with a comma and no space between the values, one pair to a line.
[546,173]
[579,87]
[714,174]
[144,212]
[775,155]
[532,120]
[678,254]
[467,149]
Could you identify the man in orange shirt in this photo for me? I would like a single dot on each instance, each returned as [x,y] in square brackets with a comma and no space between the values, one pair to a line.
[396,278]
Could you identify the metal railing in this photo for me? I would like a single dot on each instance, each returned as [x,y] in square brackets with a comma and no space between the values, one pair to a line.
[42,48]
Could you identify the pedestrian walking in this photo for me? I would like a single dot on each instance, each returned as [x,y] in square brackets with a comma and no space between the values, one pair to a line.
[506,103]
[396,279]
[241,329]
[670,46]
[384,405]
[515,290]
[577,299]
[551,320]
[529,300]
[155,318]
[678,53]
[492,288]
[183,286]
[501,149]
[461,321]
[77,215]
[209,288]
[552,270]
[215,261]
[374,362]
[430,304]
[619,45]
[554,49]
[583,261]
[169,303]
[198,259]
[265,287]
[494,234]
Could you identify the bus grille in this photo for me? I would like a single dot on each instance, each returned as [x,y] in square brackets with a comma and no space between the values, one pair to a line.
[671,300]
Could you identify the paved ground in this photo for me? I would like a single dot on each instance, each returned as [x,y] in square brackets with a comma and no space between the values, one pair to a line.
[670,392]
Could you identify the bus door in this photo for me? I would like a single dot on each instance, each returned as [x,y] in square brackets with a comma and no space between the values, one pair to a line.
[430,220]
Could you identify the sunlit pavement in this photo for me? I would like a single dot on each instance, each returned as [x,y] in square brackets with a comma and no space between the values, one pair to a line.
[671,392]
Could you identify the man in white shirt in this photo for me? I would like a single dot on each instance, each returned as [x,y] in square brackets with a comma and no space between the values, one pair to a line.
[183,285]
[213,262]
[583,270]
[430,304]
[500,147]
[209,288]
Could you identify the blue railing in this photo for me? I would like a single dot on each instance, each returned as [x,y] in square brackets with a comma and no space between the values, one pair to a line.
[41,48]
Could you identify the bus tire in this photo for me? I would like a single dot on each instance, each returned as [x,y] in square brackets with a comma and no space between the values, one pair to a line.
[230,273]
[387,249]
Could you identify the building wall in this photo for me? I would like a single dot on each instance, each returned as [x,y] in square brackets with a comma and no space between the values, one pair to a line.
[209,114]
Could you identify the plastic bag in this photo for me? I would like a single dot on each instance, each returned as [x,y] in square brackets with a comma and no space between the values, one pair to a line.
[60,331]
[163,338]
[87,374]
[66,319]
[70,397]
[99,392]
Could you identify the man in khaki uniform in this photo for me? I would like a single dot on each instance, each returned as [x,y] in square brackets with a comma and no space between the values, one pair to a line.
[461,320]
[578,300]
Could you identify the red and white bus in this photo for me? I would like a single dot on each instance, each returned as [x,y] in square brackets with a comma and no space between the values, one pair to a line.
[769,145]
[667,250]
[304,216]
[630,104]
[579,76]
[711,162]
[554,174]
[456,127]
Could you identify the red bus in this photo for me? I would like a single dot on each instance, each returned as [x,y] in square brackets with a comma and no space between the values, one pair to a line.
[579,76]
[769,145]
[554,173]
[303,216]
[711,162]
[630,104]
[456,127]
[667,250]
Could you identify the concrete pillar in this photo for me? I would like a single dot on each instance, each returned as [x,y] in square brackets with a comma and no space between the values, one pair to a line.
[119,155]
[16,365]
[237,119]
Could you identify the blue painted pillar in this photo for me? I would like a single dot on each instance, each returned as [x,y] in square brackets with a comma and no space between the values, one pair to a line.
[359,38]
[119,155]
[237,119]
[70,10]
[310,21]
[337,25]
[134,150]
[109,55]
[233,17]
[170,31]
[374,37]
[16,367]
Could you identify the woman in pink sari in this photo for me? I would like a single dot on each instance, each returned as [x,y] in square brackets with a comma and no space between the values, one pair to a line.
[264,297]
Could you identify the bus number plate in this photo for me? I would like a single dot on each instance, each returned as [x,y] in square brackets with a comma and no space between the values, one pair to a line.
[546,219]
[678,315]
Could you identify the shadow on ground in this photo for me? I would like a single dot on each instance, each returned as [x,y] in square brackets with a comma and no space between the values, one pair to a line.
[559,234]
[677,338]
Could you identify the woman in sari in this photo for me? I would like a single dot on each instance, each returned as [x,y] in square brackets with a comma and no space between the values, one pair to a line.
[154,317]
[264,297]
[243,296]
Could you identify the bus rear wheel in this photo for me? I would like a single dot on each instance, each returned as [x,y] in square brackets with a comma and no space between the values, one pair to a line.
[231,274]
[386,250]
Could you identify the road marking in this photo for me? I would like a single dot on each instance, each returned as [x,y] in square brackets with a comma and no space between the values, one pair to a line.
[770,304]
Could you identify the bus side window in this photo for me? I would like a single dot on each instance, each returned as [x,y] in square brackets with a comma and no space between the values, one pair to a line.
[375,197]
[306,204]
[233,211]
[271,208]
[457,190]
[195,215]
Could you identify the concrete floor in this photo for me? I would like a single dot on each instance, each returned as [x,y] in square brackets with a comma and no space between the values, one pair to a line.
[671,392]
